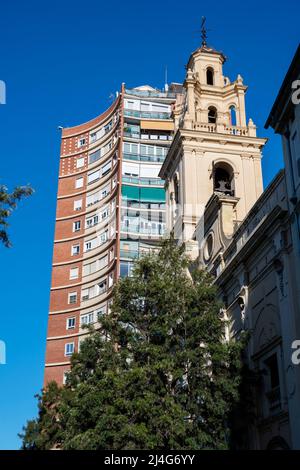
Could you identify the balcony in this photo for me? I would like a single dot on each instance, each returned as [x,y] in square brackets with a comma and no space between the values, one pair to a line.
[146,114]
[130,254]
[144,158]
[143,181]
[150,94]
[132,135]
[164,137]
[143,231]
[249,131]
[146,136]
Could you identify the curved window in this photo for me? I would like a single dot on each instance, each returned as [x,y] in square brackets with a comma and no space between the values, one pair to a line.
[232,116]
[223,179]
[210,76]
[212,115]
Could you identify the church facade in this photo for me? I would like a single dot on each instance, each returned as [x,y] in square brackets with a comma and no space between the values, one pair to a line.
[246,237]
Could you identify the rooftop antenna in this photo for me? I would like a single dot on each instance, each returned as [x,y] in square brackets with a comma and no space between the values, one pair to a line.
[203,31]
[166,79]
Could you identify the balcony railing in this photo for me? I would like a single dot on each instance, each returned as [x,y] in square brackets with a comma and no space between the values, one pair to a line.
[144,158]
[148,93]
[143,231]
[221,128]
[143,136]
[146,114]
[156,137]
[143,181]
[131,254]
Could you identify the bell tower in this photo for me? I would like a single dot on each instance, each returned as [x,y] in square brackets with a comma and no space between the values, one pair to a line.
[215,149]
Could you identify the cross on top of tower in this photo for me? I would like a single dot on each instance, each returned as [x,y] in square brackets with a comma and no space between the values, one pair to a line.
[203,32]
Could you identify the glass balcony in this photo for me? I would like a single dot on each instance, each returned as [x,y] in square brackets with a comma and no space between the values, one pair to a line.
[144,158]
[148,93]
[146,114]
[143,181]
[143,231]
[164,137]
[131,254]
[134,134]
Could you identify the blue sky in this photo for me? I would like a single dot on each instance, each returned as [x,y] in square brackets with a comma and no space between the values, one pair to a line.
[61,61]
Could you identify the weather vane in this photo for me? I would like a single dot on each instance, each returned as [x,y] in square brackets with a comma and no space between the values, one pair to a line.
[203,31]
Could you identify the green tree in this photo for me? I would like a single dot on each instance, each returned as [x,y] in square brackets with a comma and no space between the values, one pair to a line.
[159,374]
[8,202]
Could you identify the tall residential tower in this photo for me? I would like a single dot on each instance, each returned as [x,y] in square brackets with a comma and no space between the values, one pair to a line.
[110,208]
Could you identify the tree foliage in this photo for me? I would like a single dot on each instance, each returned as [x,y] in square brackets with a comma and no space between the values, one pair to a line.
[8,202]
[159,374]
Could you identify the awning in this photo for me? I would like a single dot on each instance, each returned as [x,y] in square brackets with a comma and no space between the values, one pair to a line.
[158,125]
[130,192]
[152,194]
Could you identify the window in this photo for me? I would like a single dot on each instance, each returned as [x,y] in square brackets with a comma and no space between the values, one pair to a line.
[129,104]
[71,323]
[130,169]
[65,376]
[79,162]
[107,147]
[93,199]
[88,246]
[78,205]
[75,250]
[93,157]
[145,106]
[72,298]
[69,349]
[91,221]
[94,291]
[95,266]
[212,115]
[81,142]
[101,287]
[107,127]
[210,76]
[92,177]
[91,244]
[96,197]
[85,294]
[87,318]
[232,115]
[76,226]
[79,183]
[103,237]
[74,273]
[105,192]
[104,214]
[149,171]
[106,168]
[125,268]
[93,137]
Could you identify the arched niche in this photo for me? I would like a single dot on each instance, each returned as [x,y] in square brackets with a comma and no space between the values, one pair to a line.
[212,115]
[210,76]
[223,176]
[233,115]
